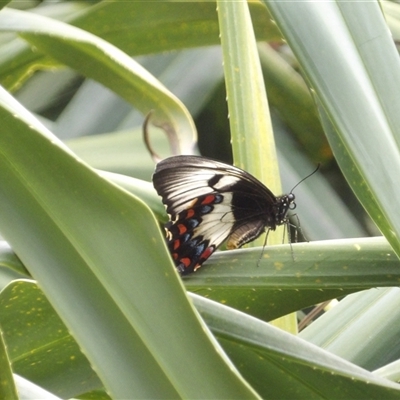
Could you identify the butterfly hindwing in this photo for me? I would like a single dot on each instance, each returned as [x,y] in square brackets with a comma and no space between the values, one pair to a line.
[210,202]
[196,232]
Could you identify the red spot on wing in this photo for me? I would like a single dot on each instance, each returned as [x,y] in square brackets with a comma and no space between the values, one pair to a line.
[206,253]
[209,199]
[176,244]
[181,228]
[185,261]
[190,213]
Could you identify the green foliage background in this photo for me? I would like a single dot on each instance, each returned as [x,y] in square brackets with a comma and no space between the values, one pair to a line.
[90,305]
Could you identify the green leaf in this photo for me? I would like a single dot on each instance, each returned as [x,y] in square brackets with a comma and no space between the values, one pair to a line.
[36,185]
[39,345]
[85,239]
[105,63]
[288,93]
[251,127]
[158,26]
[274,361]
[135,27]
[7,387]
[357,92]
[371,315]
[290,278]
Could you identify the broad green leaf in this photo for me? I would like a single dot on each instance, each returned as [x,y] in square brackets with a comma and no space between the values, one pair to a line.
[288,93]
[356,83]
[287,279]
[362,328]
[105,63]
[279,364]
[250,123]
[322,213]
[264,354]
[282,282]
[157,26]
[39,345]
[7,386]
[251,129]
[278,283]
[142,189]
[135,27]
[191,75]
[18,61]
[85,239]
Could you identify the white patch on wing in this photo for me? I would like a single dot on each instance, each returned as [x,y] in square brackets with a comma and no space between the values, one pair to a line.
[183,189]
[189,193]
[217,225]
[225,182]
[186,183]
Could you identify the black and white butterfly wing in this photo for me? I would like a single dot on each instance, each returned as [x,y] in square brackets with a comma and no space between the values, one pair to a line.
[210,202]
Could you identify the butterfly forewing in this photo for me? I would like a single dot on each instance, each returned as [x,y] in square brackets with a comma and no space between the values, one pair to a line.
[209,202]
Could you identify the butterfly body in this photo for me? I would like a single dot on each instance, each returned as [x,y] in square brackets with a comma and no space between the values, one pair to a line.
[210,202]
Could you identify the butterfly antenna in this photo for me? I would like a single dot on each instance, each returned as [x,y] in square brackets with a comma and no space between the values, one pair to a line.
[312,173]
[288,224]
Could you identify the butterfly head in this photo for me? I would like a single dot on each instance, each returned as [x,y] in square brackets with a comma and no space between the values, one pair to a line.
[284,204]
[287,202]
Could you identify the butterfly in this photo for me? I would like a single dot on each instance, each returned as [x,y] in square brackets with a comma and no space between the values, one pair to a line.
[210,202]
